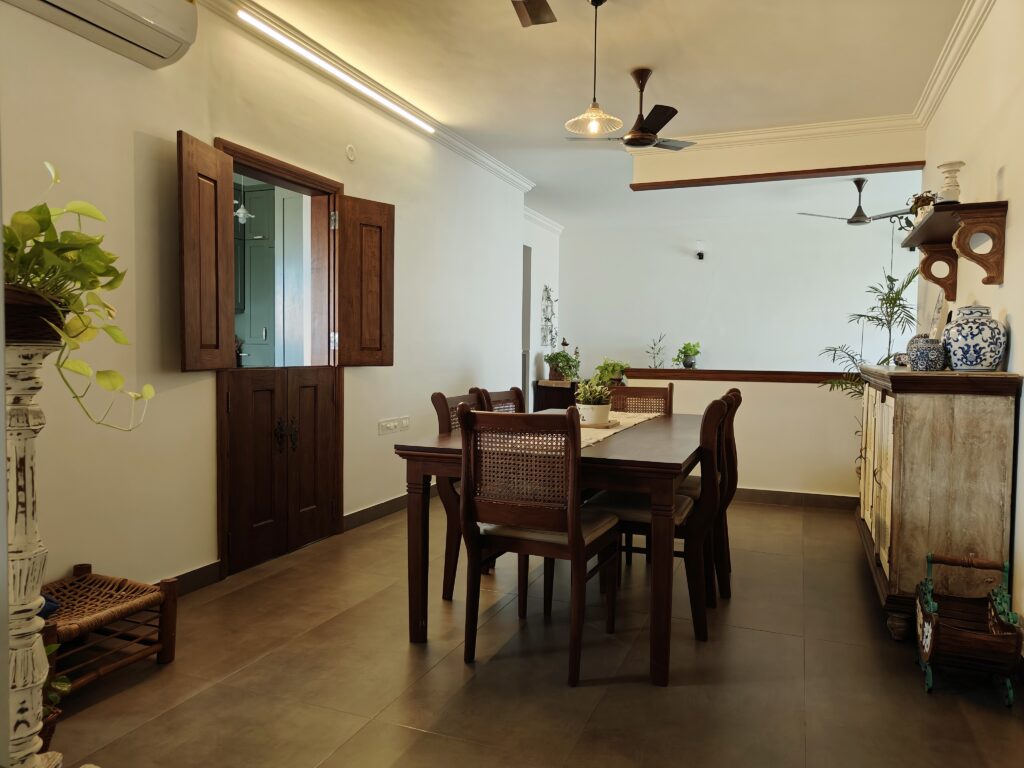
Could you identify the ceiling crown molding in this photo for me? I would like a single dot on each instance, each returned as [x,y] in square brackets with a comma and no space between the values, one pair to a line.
[965,29]
[442,135]
[542,221]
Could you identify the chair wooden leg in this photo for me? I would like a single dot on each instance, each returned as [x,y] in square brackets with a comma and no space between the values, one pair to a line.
[524,583]
[577,608]
[452,544]
[167,634]
[549,584]
[472,605]
[611,578]
[629,547]
[694,562]
[723,566]
[647,546]
[710,595]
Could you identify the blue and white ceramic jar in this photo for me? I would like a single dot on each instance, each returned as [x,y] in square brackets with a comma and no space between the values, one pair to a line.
[926,354]
[974,341]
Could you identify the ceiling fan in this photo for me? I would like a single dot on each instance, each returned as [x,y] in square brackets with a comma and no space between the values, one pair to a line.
[644,132]
[859,217]
[532,12]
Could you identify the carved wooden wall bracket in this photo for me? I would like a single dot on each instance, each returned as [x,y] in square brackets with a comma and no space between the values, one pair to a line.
[934,253]
[983,223]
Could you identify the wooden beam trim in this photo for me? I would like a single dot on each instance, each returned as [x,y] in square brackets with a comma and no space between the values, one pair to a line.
[700,374]
[750,178]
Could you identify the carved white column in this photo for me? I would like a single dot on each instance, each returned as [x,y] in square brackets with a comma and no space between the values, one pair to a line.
[26,557]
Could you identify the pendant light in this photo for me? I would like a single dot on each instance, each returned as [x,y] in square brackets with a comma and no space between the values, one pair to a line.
[595,120]
[242,213]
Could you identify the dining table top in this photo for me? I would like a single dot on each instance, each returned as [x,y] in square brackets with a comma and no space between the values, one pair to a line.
[670,442]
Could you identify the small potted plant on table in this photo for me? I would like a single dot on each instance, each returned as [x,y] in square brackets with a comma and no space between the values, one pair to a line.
[593,400]
[562,366]
[686,356]
[610,372]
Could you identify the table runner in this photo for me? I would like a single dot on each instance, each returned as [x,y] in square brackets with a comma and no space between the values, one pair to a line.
[590,436]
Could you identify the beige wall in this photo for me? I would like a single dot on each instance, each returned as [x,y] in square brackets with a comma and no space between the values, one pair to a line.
[143,505]
[981,121]
[790,437]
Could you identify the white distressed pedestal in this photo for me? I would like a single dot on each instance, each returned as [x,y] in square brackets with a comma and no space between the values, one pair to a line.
[26,557]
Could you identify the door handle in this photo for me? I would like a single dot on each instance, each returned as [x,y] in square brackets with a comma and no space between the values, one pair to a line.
[293,433]
[279,435]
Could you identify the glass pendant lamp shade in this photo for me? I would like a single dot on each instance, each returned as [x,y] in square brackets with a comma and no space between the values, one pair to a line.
[593,122]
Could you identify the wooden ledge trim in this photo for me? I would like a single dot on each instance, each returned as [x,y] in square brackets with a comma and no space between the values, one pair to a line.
[700,374]
[750,178]
[903,380]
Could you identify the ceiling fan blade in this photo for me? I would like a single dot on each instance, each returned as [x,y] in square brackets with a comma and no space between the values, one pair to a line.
[674,144]
[891,214]
[592,138]
[822,216]
[532,12]
[658,118]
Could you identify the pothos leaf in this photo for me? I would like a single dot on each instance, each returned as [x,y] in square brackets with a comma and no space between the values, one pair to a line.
[83,208]
[112,381]
[78,366]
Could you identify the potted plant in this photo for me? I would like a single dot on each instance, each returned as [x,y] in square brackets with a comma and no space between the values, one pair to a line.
[57,687]
[593,400]
[610,372]
[656,351]
[686,355]
[562,366]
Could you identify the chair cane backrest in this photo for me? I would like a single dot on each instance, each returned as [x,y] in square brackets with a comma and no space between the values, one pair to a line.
[642,399]
[447,409]
[710,452]
[510,401]
[521,470]
[729,453]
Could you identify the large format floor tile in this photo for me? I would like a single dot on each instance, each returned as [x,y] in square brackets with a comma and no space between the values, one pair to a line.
[305,662]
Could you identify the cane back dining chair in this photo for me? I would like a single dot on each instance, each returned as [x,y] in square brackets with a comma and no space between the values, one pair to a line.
[720,568]
[640,400]
[521,493]
[510,401]
[693,520]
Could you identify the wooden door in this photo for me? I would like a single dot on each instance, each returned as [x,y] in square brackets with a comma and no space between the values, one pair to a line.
[313,438]
[254,461]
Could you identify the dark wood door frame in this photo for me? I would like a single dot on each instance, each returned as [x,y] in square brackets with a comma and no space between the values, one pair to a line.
[326,197]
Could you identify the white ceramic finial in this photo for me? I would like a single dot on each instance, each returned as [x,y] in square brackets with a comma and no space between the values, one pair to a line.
[950,185]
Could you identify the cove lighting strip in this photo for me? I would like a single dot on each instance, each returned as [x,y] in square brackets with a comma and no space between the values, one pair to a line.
[321,63]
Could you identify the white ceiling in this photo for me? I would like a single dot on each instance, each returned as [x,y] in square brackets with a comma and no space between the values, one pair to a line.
[725,64]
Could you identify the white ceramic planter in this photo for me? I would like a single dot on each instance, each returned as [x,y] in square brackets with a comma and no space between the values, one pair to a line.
[594,414]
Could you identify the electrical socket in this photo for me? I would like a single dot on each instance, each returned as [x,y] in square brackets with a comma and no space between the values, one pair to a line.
[403,423]
[390,426]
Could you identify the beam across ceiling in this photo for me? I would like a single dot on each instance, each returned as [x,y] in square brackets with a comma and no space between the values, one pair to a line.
[750,178]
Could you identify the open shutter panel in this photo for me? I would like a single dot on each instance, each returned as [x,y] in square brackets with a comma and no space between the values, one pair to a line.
[205,189]
[366,283]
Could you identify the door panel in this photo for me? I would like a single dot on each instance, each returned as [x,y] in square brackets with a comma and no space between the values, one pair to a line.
[256,465]
[366,283]
[313,438]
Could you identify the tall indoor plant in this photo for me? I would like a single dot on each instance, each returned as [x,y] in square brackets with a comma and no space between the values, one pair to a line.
[55,280]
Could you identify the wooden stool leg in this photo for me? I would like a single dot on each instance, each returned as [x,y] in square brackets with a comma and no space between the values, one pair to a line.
[549,584]
[694,562]
[577,609]
[167,634]
[524,583]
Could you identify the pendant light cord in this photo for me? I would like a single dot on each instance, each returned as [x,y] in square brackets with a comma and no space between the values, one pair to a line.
[595,55]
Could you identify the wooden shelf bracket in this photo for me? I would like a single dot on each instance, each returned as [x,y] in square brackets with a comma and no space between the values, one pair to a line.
[935,253]
[992,224]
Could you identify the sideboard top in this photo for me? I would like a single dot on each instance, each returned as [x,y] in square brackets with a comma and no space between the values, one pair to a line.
[897,380]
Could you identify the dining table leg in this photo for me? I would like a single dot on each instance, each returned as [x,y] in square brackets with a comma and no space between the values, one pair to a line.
[662,541]
[418,507]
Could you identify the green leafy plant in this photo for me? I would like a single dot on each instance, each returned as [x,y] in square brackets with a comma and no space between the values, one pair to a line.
[70,271]
[656,351]
[689,349]
[593,391]
[566,364]
[56,688]
[609,370]
[892,312]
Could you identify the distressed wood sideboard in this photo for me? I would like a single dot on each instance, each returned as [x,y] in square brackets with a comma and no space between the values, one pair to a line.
[937,475]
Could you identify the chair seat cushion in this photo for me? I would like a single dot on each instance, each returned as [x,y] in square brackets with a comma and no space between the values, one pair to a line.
[593,522]
[636,507]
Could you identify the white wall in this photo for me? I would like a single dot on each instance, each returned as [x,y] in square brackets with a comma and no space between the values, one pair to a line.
[143,505]
[543,236]
[774,287]
[981,121]
[791,437]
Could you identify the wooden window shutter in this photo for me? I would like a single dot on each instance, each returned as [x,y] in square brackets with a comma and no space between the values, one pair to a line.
[366,283]
[205,194]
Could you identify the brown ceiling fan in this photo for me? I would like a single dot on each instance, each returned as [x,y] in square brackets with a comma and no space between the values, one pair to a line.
[860,218]
[644,132]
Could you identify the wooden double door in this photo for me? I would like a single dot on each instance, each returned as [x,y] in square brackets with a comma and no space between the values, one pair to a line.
[279,457]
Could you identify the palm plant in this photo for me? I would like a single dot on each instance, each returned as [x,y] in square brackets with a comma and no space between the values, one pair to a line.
[892,312]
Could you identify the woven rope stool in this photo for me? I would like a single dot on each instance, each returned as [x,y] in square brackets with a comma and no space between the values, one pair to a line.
[105,623]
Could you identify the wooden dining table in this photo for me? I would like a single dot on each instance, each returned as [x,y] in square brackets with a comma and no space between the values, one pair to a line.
[653,457]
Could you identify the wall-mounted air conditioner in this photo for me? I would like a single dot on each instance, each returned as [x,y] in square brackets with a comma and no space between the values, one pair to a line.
[152,32]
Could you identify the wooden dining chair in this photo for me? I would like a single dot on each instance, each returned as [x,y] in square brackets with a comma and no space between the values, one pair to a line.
[693,520]
[719,566]
[448,422]
[521,493]
[641,400]
[510,401]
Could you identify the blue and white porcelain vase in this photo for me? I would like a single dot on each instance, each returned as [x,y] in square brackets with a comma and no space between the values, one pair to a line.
[925,354]
[974,341]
